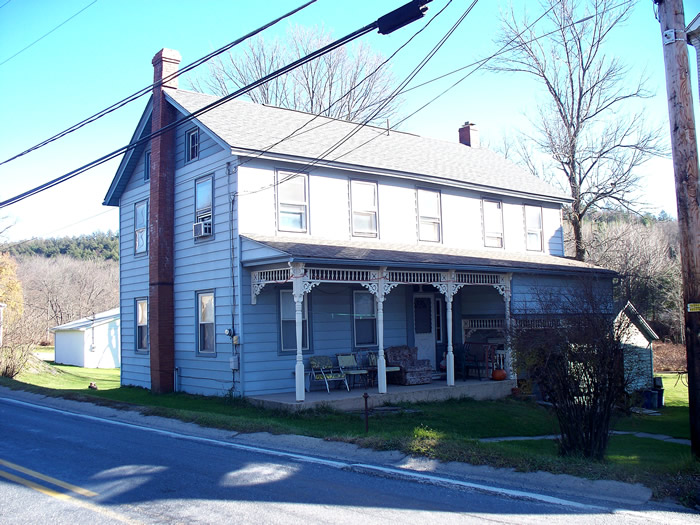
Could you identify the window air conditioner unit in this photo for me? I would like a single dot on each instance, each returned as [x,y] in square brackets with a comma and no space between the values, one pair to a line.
[201,229]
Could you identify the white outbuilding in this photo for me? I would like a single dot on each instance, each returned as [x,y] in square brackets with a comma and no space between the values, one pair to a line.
[91,342]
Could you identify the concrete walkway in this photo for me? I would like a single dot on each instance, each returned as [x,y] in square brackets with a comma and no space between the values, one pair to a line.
[660,437]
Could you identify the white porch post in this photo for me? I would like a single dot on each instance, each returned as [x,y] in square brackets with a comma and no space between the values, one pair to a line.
[450,353]
[298,292]
[381,361]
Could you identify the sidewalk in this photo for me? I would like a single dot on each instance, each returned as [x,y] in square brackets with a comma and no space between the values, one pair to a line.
[392,463]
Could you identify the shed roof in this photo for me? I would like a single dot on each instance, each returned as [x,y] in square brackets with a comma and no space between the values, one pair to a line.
[89,322]
[638,320]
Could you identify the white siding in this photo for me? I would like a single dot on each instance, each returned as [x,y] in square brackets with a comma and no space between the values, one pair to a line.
[70,348]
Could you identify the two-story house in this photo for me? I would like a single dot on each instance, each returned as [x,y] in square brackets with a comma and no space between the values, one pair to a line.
[253,237]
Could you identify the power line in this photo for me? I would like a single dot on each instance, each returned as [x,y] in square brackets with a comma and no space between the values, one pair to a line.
[385,101]
[3,5]
[46,34]
[141,92]
[385,24]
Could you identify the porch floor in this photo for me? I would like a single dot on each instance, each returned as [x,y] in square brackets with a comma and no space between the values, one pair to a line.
[348,401]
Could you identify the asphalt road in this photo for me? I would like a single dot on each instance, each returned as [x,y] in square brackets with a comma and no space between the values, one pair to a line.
[57,467]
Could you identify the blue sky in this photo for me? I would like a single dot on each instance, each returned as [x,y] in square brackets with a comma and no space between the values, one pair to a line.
[105,52]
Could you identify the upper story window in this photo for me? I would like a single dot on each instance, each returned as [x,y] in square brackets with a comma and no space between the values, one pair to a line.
[429,215]
[141,227]
[533,228]
[365,318]
[292,201]
[363,197]
[206,334]
[147,166]
[288,325]
[493,223]
[192,145]
[142,325]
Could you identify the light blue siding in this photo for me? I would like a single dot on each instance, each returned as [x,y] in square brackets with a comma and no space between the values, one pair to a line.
[207,145]
[133,281]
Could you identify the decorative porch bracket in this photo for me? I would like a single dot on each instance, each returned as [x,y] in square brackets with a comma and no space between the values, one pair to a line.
[380,288]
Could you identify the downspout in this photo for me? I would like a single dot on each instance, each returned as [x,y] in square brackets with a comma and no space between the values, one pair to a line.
[235,360]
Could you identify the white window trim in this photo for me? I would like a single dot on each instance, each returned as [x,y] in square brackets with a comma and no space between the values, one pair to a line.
[355,293]
[492,234]
[427,218]
[145,229]
[148,335]
[200,216]
[194,132]
[281,174]
[304,320]
[199,294]
[539,231]
[362,211]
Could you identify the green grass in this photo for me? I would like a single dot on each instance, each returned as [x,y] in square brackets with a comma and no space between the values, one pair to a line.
[447,431]
[674,418]
[43,350]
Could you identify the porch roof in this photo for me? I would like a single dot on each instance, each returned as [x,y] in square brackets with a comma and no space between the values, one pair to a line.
[261,250]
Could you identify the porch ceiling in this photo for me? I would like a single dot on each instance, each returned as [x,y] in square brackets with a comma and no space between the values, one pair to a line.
[260,250]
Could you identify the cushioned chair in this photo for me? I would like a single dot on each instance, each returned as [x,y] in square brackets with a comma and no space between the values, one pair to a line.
[322,369]
[475,357]
[412,371]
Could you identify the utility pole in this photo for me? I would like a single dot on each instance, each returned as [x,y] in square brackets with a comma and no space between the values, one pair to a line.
[685,167]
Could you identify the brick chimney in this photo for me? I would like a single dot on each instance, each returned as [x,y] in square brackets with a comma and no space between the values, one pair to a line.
[160,229]
[469,135]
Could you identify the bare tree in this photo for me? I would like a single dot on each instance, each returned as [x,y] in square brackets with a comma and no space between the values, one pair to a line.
[575,352]
[347,84]
[588,128]
[61,289]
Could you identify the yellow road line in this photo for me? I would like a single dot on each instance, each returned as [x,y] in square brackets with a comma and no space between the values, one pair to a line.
[67,497]
[49,479]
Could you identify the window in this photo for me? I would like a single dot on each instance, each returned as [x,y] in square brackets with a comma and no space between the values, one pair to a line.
[203,199]
[428,215]
[533,228]
[142,325]
[288,322]
[147,166]
[206,335]
[292,201]
[365,319]
[363,196]
[141,227]
[192,145]
[493,223]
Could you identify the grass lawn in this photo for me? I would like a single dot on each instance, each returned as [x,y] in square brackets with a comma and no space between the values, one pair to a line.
[43,350]
[448,431]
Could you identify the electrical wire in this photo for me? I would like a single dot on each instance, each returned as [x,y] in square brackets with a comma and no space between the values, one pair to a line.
[46,34]
[143,91]
[387,100]
[109,156]
[3,5]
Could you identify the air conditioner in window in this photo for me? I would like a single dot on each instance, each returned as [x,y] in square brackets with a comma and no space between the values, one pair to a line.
[201,229]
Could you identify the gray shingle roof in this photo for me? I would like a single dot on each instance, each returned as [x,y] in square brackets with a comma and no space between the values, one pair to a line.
[377,253]
[87,322]
[254,127]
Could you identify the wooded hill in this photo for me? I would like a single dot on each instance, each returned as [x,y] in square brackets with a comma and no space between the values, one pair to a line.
[98,245]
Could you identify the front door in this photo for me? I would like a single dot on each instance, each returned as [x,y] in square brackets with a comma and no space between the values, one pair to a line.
[424,326]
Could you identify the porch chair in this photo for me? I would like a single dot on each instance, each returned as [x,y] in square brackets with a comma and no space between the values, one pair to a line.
[322,369]
[348,365]
[372,363]
[475,356]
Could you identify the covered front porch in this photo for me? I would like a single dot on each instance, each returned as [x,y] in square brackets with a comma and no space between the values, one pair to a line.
[429,296]
[341,399]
